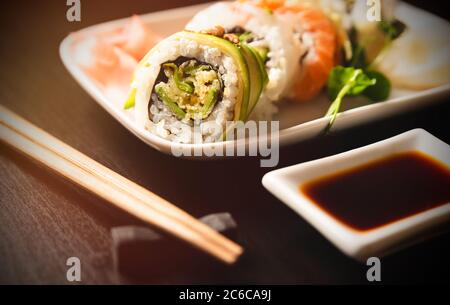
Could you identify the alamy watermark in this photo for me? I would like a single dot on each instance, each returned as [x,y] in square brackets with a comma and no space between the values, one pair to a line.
[374,272]
[239,139]
[73,13]
[374,10]
[73,273]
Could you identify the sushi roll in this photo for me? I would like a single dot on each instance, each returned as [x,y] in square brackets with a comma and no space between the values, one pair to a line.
[318,34]
[190,85]
[267,33]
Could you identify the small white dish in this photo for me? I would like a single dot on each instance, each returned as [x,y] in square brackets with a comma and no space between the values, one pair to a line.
[298,122]
[285,184]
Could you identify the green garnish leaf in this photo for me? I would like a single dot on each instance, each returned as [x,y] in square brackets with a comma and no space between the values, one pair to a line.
[358,78]
[342,76]
[393,29]
[382,88]
[359,58]
[345,82]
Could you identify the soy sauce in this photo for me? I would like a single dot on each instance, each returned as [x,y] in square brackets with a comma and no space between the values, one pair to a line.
[382,191]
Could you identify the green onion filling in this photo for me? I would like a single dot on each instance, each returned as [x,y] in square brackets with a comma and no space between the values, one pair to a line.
[191,91]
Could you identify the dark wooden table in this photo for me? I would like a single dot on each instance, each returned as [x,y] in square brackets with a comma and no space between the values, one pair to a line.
[45,219]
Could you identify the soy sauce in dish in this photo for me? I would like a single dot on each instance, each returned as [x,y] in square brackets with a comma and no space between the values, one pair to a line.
[382,191]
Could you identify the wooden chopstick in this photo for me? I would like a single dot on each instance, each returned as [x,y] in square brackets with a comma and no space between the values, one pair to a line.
[113,187]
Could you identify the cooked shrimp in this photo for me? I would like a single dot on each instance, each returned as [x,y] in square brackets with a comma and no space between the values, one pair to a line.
[319,36]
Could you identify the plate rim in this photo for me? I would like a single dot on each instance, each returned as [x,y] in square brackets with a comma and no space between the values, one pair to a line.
[287,136]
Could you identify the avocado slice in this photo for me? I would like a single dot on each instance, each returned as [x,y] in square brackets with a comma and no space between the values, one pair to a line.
[258,76]
[261,54]
[232,50]
[131,99]
[171,104]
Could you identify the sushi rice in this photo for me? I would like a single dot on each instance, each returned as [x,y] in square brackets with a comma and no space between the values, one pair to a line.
[154,115]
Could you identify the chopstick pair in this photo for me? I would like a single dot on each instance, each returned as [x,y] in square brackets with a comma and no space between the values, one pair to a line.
[113,187]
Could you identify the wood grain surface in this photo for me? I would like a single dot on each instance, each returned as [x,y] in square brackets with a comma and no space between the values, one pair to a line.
[45,219]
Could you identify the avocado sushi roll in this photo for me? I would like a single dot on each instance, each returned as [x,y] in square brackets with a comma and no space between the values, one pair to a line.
[191,84]
[267,33]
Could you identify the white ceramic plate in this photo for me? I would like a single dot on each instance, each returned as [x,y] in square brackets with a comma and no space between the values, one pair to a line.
[297,121]
[285,184]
